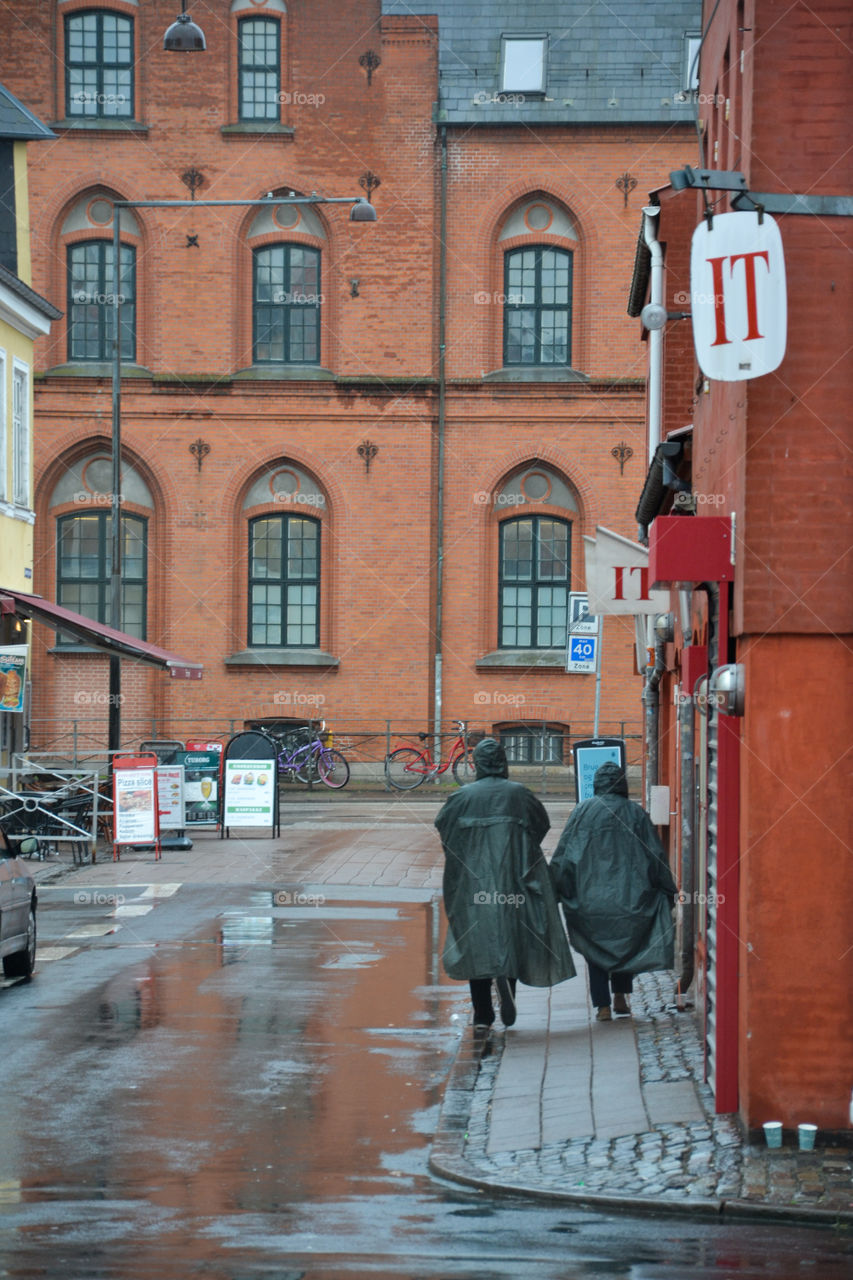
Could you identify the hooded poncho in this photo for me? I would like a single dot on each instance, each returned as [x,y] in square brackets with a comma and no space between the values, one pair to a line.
[502,914]
[611,875]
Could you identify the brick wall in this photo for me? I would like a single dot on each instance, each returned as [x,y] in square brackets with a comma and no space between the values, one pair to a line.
[379,530]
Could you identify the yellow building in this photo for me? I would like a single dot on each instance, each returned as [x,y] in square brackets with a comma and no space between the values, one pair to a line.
[24,316]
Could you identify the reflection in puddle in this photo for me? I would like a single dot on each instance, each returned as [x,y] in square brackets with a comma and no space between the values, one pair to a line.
[207,1085]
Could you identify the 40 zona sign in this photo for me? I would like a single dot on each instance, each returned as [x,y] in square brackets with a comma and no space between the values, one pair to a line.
[582,653]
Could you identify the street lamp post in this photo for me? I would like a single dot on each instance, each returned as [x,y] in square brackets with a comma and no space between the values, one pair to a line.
[361,211]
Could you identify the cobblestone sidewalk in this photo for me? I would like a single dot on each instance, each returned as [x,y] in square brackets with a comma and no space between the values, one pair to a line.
[704,1166]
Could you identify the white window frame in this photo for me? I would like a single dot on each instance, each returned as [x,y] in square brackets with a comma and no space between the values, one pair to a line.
[692,42]
[21,435]
[4,447]
[514,80]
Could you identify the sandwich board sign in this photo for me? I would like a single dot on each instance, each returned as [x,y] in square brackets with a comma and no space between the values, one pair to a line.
[589,755]
[136,810]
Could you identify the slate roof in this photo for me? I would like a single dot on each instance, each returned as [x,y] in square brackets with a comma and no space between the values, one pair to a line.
[609,61]
[18,122]
[26,294]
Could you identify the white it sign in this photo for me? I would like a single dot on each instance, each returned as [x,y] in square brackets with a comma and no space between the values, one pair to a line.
[738,296]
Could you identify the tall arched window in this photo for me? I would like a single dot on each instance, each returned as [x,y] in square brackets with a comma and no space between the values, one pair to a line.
[84,566]
[538,306]
[286,305]
[91,293]
[535,568]
[284,582]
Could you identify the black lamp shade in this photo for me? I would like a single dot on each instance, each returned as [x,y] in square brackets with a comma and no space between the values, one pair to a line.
[362,211]
[184,36]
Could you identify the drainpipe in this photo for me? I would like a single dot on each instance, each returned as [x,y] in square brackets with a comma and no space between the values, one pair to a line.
[687,878]
[650,214]
[439,501]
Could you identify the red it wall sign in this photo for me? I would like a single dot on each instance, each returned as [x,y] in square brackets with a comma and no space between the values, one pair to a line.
[738,296]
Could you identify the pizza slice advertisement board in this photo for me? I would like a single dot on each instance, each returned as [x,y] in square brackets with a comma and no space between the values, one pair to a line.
[135,803]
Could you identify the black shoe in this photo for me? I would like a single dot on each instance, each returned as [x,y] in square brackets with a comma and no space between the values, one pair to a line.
[508,1011]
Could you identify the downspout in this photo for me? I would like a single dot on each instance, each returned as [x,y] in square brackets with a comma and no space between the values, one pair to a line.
[442,392]
[687,877]
[650,214]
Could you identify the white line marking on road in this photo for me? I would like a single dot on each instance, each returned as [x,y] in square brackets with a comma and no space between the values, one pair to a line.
[160,890]
[46,954]
[130,909]
[94,931]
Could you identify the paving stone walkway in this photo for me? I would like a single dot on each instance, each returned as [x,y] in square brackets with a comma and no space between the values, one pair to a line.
[563,1107]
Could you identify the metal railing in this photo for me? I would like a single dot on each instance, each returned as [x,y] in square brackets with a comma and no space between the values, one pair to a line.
[540,752]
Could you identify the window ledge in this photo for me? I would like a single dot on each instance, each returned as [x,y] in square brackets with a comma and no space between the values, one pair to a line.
[95,369]
[282,658]
[16,512]
[536,373]
[523,658]
[101,124]
[256,127]
[286,372]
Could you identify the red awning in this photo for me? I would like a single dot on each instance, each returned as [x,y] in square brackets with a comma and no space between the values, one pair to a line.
[117,643]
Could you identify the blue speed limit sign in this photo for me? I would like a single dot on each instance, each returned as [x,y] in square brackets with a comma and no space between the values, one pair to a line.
[581,653]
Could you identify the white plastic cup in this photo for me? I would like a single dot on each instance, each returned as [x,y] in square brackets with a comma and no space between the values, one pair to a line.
[773,1133]
[806,1136]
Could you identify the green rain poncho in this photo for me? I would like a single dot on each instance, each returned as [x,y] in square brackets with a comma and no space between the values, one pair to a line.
[611,875]
[502,914]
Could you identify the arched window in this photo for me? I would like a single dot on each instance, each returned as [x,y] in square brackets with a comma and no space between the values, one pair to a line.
[538,306]
[91,293]
[84,567]
[98,65]
[284,582]
[534,579]
[84,542]
[286,305]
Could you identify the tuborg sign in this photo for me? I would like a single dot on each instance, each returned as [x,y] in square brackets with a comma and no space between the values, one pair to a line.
[738,296]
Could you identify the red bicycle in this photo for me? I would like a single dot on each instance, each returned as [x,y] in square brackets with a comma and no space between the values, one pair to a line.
[407,766]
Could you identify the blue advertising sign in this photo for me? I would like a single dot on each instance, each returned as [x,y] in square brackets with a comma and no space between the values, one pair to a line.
[589,755]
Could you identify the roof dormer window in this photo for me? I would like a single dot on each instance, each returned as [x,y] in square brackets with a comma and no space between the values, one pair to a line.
[523,63]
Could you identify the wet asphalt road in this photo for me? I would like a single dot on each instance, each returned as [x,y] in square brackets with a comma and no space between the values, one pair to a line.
[228,1088]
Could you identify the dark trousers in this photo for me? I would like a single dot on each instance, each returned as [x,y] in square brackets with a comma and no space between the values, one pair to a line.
[601,983]
[481,998]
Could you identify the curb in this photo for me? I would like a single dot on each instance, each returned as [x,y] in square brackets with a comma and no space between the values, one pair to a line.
[447,1160]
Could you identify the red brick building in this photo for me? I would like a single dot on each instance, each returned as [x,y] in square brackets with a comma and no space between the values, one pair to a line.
[358,459]
[747,505]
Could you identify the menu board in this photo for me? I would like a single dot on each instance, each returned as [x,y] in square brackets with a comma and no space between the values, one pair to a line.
[201,786]
[249,793]
[170,796]
[135,806]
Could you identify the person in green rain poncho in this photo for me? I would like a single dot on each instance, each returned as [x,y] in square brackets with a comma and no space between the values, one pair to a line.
[611,874]
[503,922]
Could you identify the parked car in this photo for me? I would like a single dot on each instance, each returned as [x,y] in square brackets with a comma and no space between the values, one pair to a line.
[18,901]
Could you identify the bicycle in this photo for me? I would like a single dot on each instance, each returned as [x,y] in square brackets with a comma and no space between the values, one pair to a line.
[310,758]
[407,766]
